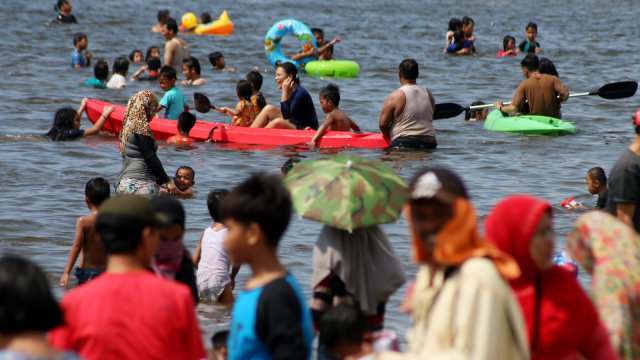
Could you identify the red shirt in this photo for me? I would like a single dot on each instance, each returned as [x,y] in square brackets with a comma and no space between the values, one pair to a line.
[180,140]
[129,316]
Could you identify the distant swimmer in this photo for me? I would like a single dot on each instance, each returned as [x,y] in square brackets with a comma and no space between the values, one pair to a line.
[476,114]
[163,15]
[508,46]
[530,45]
[191,72]
[461,44]
[320,48]
[78,58]
[175,49]
[597,185]
[65,16]
[66,123]
[454,24]
[218,62]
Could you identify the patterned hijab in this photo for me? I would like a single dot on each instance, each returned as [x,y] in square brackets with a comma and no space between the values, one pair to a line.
[140,110]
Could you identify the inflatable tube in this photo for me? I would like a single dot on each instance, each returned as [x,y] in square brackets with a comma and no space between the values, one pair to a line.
[278,31]
[222,26]
[335,68]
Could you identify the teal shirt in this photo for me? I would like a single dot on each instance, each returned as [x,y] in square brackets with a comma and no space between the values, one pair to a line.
[174,103]
[95,82]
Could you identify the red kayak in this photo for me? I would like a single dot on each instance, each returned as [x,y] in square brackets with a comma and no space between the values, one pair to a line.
[223,133]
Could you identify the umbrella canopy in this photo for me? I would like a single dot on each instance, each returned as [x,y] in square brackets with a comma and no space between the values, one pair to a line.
[346,191]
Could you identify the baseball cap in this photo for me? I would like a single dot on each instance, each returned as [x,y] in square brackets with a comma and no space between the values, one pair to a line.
[123,210]
[437,183]
[171,207]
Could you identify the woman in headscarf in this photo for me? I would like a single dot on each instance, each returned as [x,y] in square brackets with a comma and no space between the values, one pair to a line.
[142,172]
[561,320]
[610,251]
[460,303]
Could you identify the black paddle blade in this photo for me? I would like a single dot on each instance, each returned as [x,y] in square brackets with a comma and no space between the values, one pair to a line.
[618,90]
[202,102]
[447,110]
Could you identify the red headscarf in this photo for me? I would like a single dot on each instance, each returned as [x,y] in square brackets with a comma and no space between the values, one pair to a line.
[559,315]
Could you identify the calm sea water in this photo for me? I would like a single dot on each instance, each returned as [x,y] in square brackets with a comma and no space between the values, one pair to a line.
[589,41]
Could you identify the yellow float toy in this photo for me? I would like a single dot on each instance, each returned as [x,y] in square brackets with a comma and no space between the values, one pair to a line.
[222,26]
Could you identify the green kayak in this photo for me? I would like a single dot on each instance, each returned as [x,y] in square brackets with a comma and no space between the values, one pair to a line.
[528,124]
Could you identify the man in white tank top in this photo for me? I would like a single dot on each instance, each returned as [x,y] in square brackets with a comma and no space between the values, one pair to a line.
[407,114]
[176,49]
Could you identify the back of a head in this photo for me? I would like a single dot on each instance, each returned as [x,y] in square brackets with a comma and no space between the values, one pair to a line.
[62,120]
[167,72]
[120,65]
[77,37]
[331,92]
[101,70]
[171,25]
[458,36]
[26,301]
[205,18]
[162,14]
[447,180]
[219,339]
[597,173]
[548,67]
[288,165]
[214,57]
[409,69]
[342,324]
[154,63]
[530,62]
[454,24]
[214,200]
[97,190]
[192,64]
[261,199]
[243,90]
[171,207]
[255,78]
[186,120]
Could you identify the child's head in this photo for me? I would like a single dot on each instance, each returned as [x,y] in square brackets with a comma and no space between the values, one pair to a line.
[548,67]
[255,78]
[169,28]
[288,165]
[257,213]
[328,53]
[101,70]
[80,41]
[219,344]
[217,60]
[152,51]
[508,43]
[184,178]
[214,200]
[63,5]
[136,56]
[190,67]
[163,15]
[205,18]
[596,180]
[467,25]
[454,24]
[167,77]
[458,37]
[26,304]
[120,65]
[186,120]
[408,69]
[243,90]
[96,191]
[532,31]
[318,34]
[342,330]
[329,97]
[477,114]
[153,63]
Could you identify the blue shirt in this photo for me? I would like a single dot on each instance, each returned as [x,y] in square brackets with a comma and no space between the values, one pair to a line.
[95,82]
[78,58]
[174,103]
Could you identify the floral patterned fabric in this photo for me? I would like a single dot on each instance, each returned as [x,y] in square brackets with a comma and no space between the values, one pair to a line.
[610,251]
[248,113]
[138,187]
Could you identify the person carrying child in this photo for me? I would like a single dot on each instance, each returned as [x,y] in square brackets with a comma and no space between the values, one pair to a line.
[245,111]
[66,123]
[211,259]
[597,185]
[530,45]
[173,100]
[87,241]
[186,121]
[461,44]
[120,68]
[78,59]
[336,119]
[65,16]
[508,46]
[101,73]
[153,65]
[454,24]
[191,71]
[270,318]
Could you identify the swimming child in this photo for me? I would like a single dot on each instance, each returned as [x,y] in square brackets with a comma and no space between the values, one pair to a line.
[255,78]
[245,111]
[508,46]
[184,179]
[162,16]
[186,120]
[336,119]
[320,48]
[530,45]
[120,68]
[476,114]
[217,61]
[136,57]
[66,123]
[152,51]
[288,165]
[597,184]
[219,344]
[211,259]
[191,71]
[101,73]
[153,65]
[461,45]
[173,100]
[205,18]
[78,59]
[87,241]
[64,16]
[327,54]
[454,24]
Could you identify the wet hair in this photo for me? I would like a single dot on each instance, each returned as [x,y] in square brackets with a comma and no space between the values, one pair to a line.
[449,180]
[58,5]
[255,78]
[188,168]
[290,69]
[186,120]
[532,25]
[243,90]
[530,62]
[101,70]
[467,21]
[331,92]
[472,113]
[205,18]
[505,41]
[62,120]
[133,53]
[458,37]
[261,199]
[26,301]
[214,57]
[149,51]
[171,25]
[315,31]
[162,14]
[454,24]
[167,72]
[288,165]
[597,173]
[342,324]
[192,63]
[214,199]
[329,49]
[120,235]
[154,63]
[547,67]
[219,339]
[97,190]
[409,69]
[77,37]
[120,65]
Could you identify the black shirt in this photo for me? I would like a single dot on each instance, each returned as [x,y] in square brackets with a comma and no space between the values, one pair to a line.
[66,19]
[624,185]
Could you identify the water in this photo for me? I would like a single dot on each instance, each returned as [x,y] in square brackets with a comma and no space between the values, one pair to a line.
[43,181]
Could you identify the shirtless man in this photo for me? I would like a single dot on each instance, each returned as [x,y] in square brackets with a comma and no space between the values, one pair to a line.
[406,117]
[176,49]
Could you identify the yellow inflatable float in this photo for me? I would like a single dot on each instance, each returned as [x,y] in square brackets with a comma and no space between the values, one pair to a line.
[222,26]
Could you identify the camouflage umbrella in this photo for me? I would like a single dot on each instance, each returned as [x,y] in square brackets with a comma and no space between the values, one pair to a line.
[346,191]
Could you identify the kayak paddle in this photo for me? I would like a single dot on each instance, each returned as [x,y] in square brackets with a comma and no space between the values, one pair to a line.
[203,104]
[616,90]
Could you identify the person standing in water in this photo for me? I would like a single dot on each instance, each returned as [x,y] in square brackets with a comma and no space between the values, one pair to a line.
[175,49]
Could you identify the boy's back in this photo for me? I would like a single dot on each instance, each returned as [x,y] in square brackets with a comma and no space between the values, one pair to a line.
[94,256]
[339,120]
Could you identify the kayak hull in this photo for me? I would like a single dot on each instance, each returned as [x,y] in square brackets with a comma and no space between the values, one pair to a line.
[528,124]
[223,133]
[335,68]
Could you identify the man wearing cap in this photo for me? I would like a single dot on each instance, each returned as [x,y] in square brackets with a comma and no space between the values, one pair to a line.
[406,117]
[129,312]
[624,183]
